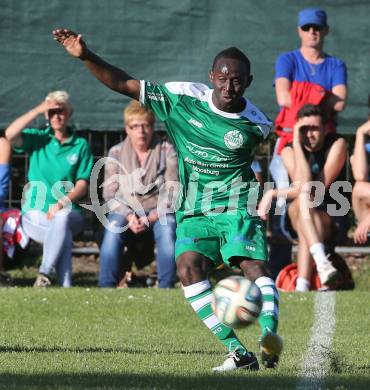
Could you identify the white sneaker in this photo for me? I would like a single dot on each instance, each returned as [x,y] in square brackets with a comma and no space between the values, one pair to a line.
[235,361]
[327,273]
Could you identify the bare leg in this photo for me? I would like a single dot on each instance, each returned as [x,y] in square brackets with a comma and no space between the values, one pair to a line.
[192,267]
[304,258]
[361,207]
[323,225]
[313,228]
[252,269]
[361,200]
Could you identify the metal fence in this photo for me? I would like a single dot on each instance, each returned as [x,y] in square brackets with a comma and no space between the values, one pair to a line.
[100,143]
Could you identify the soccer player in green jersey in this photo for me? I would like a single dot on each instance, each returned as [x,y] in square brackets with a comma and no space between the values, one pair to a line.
[215,132]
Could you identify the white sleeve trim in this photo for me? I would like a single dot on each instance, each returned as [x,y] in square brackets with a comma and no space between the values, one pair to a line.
[265,129]
[255,115]
[142,92]
[196,90]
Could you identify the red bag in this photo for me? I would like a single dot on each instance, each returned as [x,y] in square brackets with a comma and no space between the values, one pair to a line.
[287,278]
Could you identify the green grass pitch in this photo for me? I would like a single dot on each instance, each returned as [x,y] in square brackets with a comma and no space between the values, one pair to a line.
[84,338]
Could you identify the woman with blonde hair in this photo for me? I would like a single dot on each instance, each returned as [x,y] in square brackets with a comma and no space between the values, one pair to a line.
[60,164]
[136,173]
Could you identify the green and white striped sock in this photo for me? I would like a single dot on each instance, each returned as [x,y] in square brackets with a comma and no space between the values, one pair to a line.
[269,317]
[199,295]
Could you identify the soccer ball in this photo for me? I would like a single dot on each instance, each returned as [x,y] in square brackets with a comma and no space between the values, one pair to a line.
[236,301]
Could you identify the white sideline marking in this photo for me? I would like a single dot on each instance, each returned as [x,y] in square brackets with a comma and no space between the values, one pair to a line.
[314,366]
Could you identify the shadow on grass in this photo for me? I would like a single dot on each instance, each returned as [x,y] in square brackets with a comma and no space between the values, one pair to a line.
[339,377]
[57,348]
[80,279]
[339,365]
[149,381]
[85,279]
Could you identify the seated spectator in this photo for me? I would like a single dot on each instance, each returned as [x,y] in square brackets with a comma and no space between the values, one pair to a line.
[12,235]
[5,169]
[314,156]
[360,161]
[134,173]
[60,164]
[304,75]
[5,154]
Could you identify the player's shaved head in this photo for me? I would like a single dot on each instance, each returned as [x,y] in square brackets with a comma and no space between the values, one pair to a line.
[233,53]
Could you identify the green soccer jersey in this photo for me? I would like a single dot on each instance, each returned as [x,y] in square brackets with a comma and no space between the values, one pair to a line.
[215,148]
[53,167]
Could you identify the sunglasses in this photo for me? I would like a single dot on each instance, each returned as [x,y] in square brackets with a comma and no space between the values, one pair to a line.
[315,27]
[56,111]
[306,128]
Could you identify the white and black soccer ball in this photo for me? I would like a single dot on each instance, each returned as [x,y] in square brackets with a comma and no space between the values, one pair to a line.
[237,301]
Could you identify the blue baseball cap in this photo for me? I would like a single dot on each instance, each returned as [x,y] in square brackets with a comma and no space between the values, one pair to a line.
[312,16]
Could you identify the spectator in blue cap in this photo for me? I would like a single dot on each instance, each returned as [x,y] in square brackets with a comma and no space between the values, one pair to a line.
[312,16]
[306,75]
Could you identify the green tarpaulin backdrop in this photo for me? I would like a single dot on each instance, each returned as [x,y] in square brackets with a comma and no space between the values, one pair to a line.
[165,40]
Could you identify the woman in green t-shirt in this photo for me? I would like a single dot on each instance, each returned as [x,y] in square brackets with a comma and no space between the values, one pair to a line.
[60,164]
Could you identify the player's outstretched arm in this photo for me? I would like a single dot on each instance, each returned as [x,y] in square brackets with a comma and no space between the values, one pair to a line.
[114,78]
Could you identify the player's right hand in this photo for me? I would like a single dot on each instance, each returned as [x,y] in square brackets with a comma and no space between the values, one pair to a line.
[71,41]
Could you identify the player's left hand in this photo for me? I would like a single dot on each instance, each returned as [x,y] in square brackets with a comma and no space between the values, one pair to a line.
[53,210]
